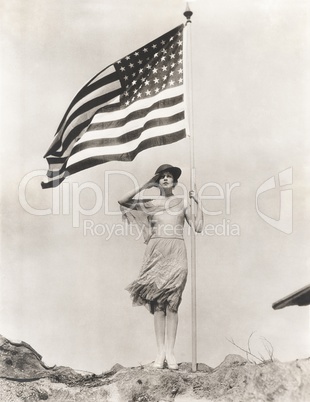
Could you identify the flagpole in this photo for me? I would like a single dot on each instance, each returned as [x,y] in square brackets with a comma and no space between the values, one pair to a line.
[189,103]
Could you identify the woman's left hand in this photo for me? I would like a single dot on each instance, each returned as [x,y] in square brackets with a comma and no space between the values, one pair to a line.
[192,195]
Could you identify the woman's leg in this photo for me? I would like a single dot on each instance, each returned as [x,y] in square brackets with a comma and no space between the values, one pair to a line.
[172,325]
[160,329]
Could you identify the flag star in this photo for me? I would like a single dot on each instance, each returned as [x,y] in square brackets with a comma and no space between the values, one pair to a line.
[126,93]
[154,46]
[133,74]
[172,65]
[180,71]
[179,42]
[171,38]
[180,80]
[143,79]
[147,82]
[136,53]
[134,82]
[127,103]
[148,92]
[156,90]
[180,52]
[156,80]
[164,77]
[179,33]
[171,73]
[131,65]
[135,91]
[126,78]
[140,61]
[155,54]
[122,68]
[171,82]
[155,70]
[162,42]
[180,61]
[163,86]
[127,57]
[141,71]
[164,68]
[148,67]
[164,51]
[119,62]
[145,50]
[133,98]
[172,55]
[163,58]
[139,95]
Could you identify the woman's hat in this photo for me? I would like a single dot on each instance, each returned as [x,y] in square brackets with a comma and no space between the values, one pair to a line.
[175,171]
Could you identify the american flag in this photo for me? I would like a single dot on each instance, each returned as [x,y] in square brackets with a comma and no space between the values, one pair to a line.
[134,104]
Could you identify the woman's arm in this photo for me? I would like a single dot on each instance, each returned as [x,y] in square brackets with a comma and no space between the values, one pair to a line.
[198,218]
[129,196]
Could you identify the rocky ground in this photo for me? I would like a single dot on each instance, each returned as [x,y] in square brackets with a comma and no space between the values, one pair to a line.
[25,378]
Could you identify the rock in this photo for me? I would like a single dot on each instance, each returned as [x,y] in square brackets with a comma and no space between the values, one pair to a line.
[231,361]
[66,375]
[20,361]
[117,367]
[201,367]
[25,378]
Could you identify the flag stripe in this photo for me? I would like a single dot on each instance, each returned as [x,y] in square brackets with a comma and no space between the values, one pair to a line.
[160,99]
[54,160]
[155,131]
[78,127]
[58,177]
[129,136]
[128,156]
[151,128]
[92,106]
[113,130]
[122,148]
[161,104]
[107,77]
[69,142]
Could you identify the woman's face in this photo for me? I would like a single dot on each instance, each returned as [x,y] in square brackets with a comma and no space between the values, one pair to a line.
[166,180]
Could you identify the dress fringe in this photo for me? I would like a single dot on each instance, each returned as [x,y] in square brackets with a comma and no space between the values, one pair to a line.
[162,277]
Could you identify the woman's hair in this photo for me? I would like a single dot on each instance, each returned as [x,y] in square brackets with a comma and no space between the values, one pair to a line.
[175,181]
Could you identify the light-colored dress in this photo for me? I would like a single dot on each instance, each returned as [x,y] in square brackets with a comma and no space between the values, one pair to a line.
[164,270]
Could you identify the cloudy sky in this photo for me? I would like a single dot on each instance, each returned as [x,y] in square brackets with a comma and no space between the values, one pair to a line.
[65,256]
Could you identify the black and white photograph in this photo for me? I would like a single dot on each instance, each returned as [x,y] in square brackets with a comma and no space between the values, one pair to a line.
[155,196]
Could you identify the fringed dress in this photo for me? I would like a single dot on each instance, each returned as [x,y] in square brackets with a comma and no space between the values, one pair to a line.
[163,275]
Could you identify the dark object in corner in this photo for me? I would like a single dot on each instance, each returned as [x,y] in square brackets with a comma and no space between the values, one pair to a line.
[300,298]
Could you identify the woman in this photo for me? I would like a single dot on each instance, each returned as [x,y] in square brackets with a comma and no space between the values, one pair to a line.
[163,274]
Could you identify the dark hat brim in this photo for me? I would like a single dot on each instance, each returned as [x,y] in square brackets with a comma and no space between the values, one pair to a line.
[174,170]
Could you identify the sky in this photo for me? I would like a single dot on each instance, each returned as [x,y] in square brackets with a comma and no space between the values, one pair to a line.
[66,255]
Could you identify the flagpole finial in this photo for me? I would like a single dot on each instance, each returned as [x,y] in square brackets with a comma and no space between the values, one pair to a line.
[188,13]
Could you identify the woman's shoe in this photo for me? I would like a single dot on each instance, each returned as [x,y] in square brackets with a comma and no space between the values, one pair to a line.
[159,362]
[158,365]
[172,364]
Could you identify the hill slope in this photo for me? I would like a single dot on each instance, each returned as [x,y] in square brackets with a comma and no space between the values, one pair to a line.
[24,377]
